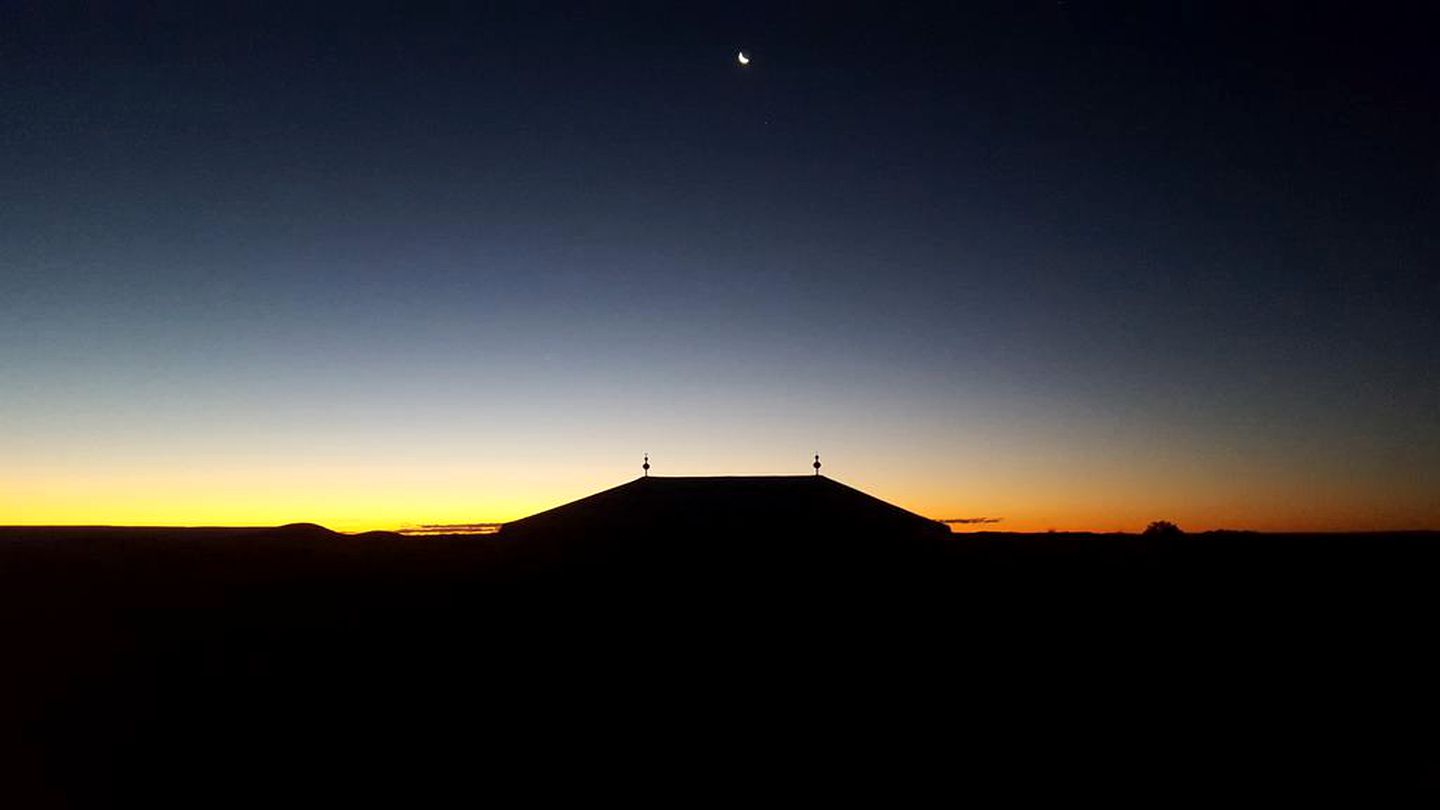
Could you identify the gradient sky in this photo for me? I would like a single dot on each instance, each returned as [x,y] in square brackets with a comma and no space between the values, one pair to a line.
[1078,265]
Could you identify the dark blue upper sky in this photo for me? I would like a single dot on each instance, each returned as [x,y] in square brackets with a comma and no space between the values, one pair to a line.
[941,238]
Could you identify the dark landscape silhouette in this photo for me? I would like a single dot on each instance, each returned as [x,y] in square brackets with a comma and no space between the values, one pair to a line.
[683,622]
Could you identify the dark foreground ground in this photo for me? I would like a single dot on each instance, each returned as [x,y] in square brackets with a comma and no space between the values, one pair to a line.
[284,666]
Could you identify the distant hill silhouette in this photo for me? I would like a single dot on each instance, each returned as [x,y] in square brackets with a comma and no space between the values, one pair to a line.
[755,506]
[378,535]
[299,530]
[244,663]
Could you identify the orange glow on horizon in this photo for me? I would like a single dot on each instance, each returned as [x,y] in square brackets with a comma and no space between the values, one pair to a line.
[356,500]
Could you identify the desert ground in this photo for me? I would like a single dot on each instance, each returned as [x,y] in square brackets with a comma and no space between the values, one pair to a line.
[230,665]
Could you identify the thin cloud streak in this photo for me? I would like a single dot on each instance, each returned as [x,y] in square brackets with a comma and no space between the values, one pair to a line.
[451,528]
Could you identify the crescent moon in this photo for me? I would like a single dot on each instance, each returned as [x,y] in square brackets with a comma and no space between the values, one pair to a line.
[742,58]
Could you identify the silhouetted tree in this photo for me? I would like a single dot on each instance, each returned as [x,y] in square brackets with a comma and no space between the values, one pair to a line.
[1163,528]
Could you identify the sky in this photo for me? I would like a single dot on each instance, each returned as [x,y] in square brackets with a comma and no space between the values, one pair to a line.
[1074,265]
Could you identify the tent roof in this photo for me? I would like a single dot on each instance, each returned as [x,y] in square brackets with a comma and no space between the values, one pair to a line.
[716,504]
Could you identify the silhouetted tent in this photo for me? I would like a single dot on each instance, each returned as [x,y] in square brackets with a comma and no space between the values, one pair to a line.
[751,506]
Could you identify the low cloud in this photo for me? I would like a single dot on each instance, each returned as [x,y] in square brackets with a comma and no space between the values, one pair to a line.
[973,520]
[452,528]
